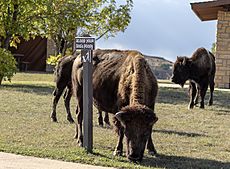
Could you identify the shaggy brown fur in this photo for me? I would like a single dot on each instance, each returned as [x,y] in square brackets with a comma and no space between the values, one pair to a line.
[137,122]
[63,81]
[132,80]
[200,71]
[124,79]
[62,74]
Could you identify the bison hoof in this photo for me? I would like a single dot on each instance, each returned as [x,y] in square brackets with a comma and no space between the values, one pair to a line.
[54,119]
[70,119]
[210,104]
[107,123]
[153,153]
[76,136]
[107,126]
[117,153]
[190,107]
[80,144]
[202,106]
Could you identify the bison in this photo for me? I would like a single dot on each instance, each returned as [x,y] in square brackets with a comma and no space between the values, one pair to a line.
[126,87]
[63,82]
[200,71]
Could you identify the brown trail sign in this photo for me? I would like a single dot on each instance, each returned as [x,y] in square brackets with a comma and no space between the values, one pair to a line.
[87,45]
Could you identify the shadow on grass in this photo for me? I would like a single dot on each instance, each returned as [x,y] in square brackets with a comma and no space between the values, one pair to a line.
[180,133]
[221,99]
[173,162]
[176,162]
[37,89]
[111,157]
[173,95]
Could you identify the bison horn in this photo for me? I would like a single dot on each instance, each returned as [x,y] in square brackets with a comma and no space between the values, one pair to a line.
[184,61]
[119,116]
[151,118]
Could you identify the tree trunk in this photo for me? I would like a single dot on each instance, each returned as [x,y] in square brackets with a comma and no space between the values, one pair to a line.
[6,43]
[1,79]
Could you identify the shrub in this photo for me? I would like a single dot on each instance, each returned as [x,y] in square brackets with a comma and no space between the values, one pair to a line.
[53,60]
[7,65]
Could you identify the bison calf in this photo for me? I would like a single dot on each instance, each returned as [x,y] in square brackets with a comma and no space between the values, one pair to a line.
[200,71]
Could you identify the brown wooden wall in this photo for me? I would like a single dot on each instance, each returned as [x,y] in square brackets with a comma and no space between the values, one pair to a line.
[34,51]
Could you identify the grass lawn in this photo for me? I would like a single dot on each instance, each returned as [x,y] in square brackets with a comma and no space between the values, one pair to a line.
[183,138]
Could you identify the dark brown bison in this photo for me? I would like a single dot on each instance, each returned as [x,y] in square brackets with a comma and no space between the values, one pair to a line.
[63,82]
[200,71]
[125,86]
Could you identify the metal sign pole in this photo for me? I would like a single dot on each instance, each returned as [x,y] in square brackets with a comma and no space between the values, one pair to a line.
[87,105]
[86,45]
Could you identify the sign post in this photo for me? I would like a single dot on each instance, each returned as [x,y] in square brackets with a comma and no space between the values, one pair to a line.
[87,45]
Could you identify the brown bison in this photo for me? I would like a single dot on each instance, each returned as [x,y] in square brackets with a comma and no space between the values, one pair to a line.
[125,86]
[200,71]
[63,82]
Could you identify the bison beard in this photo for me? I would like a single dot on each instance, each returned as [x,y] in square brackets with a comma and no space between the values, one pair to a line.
[125,80]
[200,71]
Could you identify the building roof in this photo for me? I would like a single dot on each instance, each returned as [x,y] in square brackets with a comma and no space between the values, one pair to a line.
[209,10]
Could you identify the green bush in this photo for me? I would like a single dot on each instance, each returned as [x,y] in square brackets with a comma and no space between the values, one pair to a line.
[7,65]
[53,60]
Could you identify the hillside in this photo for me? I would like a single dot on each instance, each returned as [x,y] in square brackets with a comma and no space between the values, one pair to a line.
[161,67]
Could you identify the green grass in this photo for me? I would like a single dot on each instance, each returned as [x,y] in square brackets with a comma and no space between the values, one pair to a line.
[183,138]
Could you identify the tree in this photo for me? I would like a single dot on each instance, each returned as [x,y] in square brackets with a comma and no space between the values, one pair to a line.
[17,19]
[61,20]
[213,49]
[68,18]
[20,19]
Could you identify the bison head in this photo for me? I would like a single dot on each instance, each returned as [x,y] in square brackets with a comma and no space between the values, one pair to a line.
[137,122]
[181,70]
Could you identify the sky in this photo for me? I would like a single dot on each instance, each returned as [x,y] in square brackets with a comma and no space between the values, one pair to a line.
[165,28]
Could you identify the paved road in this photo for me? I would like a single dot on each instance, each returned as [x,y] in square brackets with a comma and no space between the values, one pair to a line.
[12,161]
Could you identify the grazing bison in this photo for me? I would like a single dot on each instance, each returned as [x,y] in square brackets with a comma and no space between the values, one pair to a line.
[125,86]
[200,71]
[63,81]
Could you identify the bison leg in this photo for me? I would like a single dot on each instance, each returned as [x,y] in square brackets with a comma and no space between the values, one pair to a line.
[119,148]
[211,84]
[150,146]
[106,119]
[79,113]
[196,101]
[100,120]
[67,98]
[203,91]
[192,92]
[57,94]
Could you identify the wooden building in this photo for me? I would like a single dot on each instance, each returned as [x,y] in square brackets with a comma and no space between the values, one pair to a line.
[218,10]
[31,55]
